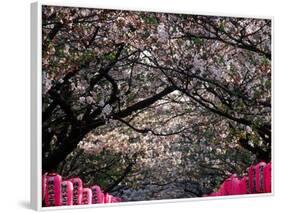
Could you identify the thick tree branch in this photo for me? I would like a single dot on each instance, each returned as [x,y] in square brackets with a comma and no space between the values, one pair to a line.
[145,103]
[148,130]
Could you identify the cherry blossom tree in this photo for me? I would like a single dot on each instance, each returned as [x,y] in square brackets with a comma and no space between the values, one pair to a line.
[154,104]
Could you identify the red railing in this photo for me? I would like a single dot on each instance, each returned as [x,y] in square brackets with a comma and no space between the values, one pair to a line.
[258,180]
[58,192]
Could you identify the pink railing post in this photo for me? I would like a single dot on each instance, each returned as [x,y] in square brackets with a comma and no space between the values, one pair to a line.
[53,184]
[77,190]
[86,196]
[66,193]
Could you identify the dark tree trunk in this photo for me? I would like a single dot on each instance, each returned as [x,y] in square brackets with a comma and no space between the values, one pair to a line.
[68,142]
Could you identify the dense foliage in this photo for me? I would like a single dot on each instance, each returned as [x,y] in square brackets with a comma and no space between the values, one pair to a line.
[154,105]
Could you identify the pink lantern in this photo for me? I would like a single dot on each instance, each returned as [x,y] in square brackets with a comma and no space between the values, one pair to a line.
[66,193]
[44,185]
[86,196]
[235,185]
[97,195]
[116,199]
[267,178]
[77,190]
[107,198]
[260,177]
[252,179]
[244,186]
[257,181]
[222,190]
[228,186]
[53,184]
